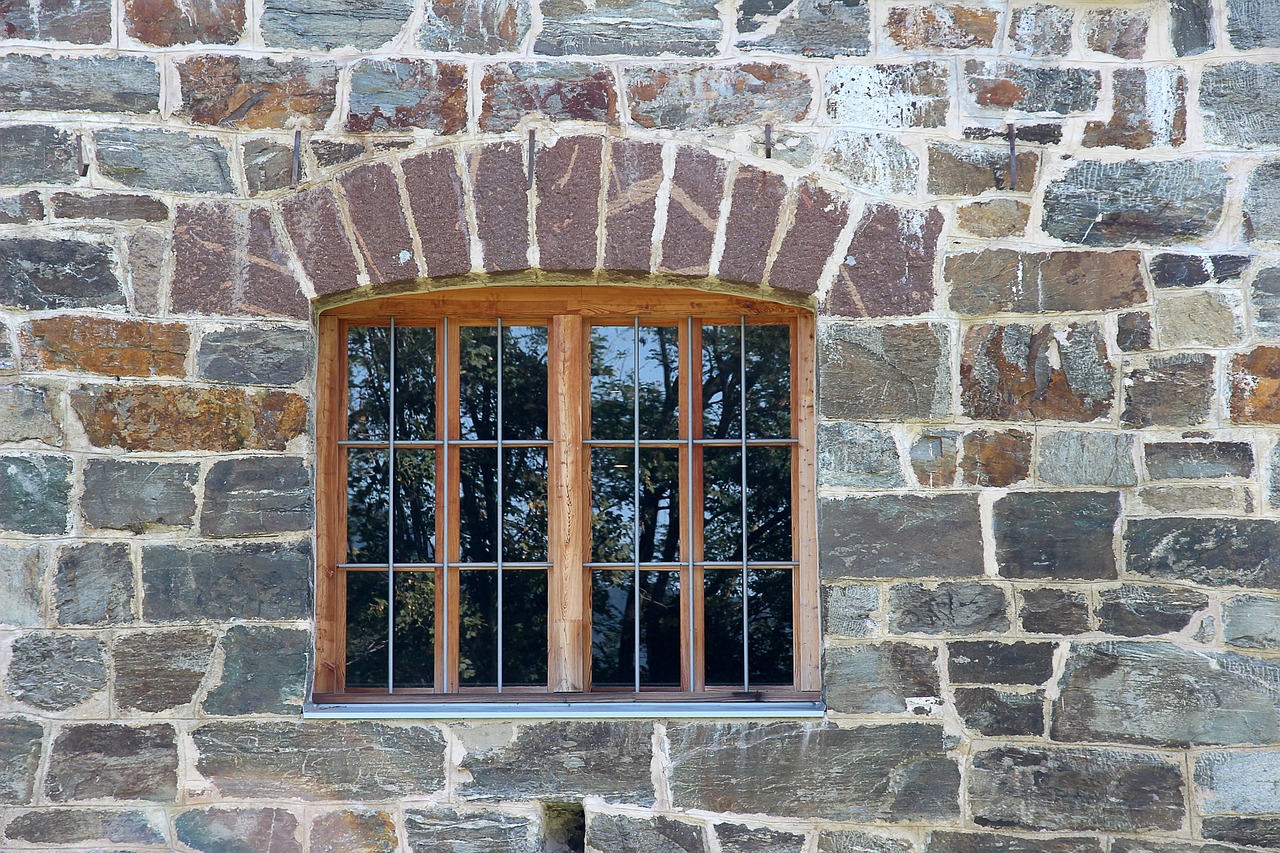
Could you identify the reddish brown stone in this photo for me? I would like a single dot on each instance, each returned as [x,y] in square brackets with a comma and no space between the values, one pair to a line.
[356,831]
[693,213]
[1150,109]
[1255,386]
[436,201]
[948,27]
[105,346]
[165,23]
[1000,280]
[933,459]
[1020,373]
[498,182]
[568,183]
[999,217]
[269,285]
[236,91]
[315,227]
[408,93]
[560,91]
[1134,331]
[373,200]
[1175,390]
[634,174]
[888,268]
[996,459]
[21,209]
[974,169]
[819,218]
[118,207]
[169,418]
[1119,32]
[754,213]
[205,242]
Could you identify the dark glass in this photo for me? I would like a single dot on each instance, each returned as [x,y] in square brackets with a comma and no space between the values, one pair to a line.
[415,620]
[367,506]
[368,382]
[366,630]
[478,381]
[478,507]
[478,628]
[613,629]
[768,381]
[524,383]
[770,627]
[722,626]
[524,501]
[415,528]
[612,504]
[769,504]
[613,382]
[524,628]
[659,505]
[721,381]
[659,382]
[415,383]
[722,504]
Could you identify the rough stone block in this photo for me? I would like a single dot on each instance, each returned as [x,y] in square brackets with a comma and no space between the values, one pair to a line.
[1056,535]
[1075,458]
[1253,24]
[251,355]
[407,93]
[56,672]
[857,456]
[20,741]
[630,835]
[35,493]
[880,678]
[93,584]
[1261,205]
[1266,303]
[974,169]
[1252,622]
[855,841]
[38,274]
[60,20]
[1175,390]
[1189,460]
[434,188]
[238,92]
[166,23]
[629,27]
[106,347]
[991,662]
[122,84]
[40,155]
[1251,831]
[502,205]
[265,494]
[1135,331]
[264,671]
[268,165]
[250,581]
[123,495]
[559,91]
[21,209]
[1254,380]
[942,27]
[475,26]
[164,160]
[1146,845]
[567,215]
[1149,109]
[933,458]
[999,217]
[998,86]
[888,373]
[693,213]
[995,713]
[996,459]
[1003,280]
[755,208]
[1233,782]
[694,96]
[1048,610]
[850,611]
[1040,30]
[889,96]
[1136,611]
[875,162]
[1191,26]
[215,830]
[1198,319]
[888,266]
[116,207]
[321,760]
[1210,552]
[25,415]
[981,842]
[634,175]
[159,670]
[471,831]
[98,761]
[806,28]
[71,826]
[315,226]
[1171,500]
[900,536]
[326,24]
[960,608]
[736,838]
[1117,32]
[21,568]
[869,773]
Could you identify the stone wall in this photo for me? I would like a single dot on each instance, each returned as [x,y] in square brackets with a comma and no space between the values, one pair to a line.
[1050,404]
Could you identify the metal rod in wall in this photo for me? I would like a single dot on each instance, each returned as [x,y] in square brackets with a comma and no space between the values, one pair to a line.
[635,478]
[688,546]
[501,511]
[742,433]
[443,419]
[391,511]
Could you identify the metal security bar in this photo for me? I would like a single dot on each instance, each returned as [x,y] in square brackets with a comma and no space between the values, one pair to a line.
[391,510]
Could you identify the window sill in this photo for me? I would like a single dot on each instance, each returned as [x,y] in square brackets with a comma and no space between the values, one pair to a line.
[543,710]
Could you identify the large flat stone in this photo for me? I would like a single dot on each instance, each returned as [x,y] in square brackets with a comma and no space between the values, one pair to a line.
[20,741]
[1041,90]
[900,536]
[806,28]
[1004,280]
[126,495]
[993,662]
[166,23]
[1174,460]
[736,838]
[99,761]
[326,24]
[105,346]
[1207,551]
[262,494]
[40,274]
[1056,535]
[1233,113]
[357,830]
[123,84]
[1174,390]
[948,608]
[35,494]
[164,160]
[475,26]
[250,581]
[879,678]
[995,713]
[630,27]
[623,834]
[159,670]
[1135,610]
[988,842]
[264,671]
[890,373]
[56,672]
[86,22]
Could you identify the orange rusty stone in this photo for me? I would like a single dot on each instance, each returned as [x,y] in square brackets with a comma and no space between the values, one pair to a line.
[168,418]
[240,92]
[996,459]
[945,27]
[106,346]
[1255,386]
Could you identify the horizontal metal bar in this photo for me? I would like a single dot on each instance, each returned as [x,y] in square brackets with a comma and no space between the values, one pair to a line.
[622,710]
[369,567]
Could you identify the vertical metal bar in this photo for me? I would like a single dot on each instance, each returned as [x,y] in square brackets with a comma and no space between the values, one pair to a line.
[443,418]
[635,476]
[501,512]
[742,432]
[391,513]
[690,414]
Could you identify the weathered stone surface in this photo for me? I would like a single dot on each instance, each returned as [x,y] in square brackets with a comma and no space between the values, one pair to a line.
[560,91]
[900,536]
[1236,782]
[77,826]
[117,207]
[1056,535]
[1251,831]
[942,27]
[35,493]
[990,662]
[122,84]
[163,160]
[381,230]
[888,267]
[1077,458]
[327,24]
[755,207]
[321,760]
[451,831]
[933,458]
[475,26]
[1186,460]
[876,162]
[21,209]
[147,249]
[1040,30]
[1253,24]
[104,346]
[1261,205]
[884,373]
[568,186]
[736,838]
[629,835]
[1054,91]
[407,93]
[1149,109]
[875,772]
[19,757]
[98,761]
[978,842]
[1135,611]
[855,841]
[996,459]
[239,92]
[1000,280]
[693,213]
[250,581]
[1117,32]
[315,226]
[1113,204]
[1136,692]
[807,27]
[959,608]
[1191,26]
[25,415]
[21,568]
[1053,611]
[857,456]
[974,169]
[1174,390]
[166,23]
[434,187]
[633,174]
[1266,303]
[1211,552]
[159,670]
[268,165]
[999,217]
[93,584]
[41,155]
[219,830]
[1252,622]
[996,713]
[1174,269]
[335,152]
[59,20]
[502,205]
[40,274]
[1075,789]
[264,494]
[353,831]
[56,672]
[1136,845]
[264,671]
[631,27]
[252,355]
[1197,319]
[1019,372]
[880,678]
[560,759]
[123,495]
[850,611]
[692,96]
[886,96]
[1171,500]
[1135,331]
[173,418]
[1254,379]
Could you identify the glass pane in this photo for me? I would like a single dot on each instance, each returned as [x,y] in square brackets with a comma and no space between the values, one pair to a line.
[769,626]
[721,369]
[415,530]
[368,382]
[659,629]
[722,608]
[612,629]
[524,627]
[415,383]
[366,629]
[659,382]
[478,378]
[659,505]
[477,509]
[478,628]
[367,500]
[524,500]
[524,382]
[768,381]
[612,382]
[722,503]
[769,503]
[612,504]
[415,602]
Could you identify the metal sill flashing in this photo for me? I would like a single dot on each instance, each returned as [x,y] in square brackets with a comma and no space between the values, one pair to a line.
[562,710]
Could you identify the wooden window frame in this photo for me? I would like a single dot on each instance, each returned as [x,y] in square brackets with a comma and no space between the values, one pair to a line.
[567,310]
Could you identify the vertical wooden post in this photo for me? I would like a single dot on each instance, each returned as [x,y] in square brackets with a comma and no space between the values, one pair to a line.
[331,495]
[569,513]
[808,632]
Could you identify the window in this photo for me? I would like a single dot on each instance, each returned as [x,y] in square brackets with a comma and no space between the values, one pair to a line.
[539,491]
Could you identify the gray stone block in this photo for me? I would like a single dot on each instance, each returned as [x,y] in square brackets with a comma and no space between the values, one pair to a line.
[123,84]
[1253,24]
[1047,610]
[1252,622]
[25,415]
[476,26]
[850,611]
[1191,26]
[470,831]
[98,761]
[629,27]
[1208,551]
[1266,303]
[1250,831]
[1056,535]
[159,670]
[56,672]
[251,581]
[1236,782]
[807,28]
[38,274]
[1136,611]
[326,24]
[218,830]
[986,842]
[1233,113]
[123,495]
[1086,459]
[1262,203]
[37,154]
[35,493]
[857,456]
[875,162]
[67,826]
[20,741]
[878,678]
[996,713]
[622,834]
[856,841]
[736,838]
[263,494]
[93,585]
[958,608]
[21,568]
[990,662]
[264,671]
[1195,460]
[164,160]
[252,355]
[1052,90]
[900,536]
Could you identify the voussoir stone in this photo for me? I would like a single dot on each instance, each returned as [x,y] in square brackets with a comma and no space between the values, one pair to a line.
[478,831]
[20,741]
[247,830]
[900,536]
[77,826]
[159,670]
[125,495]
[878,678]
[623,834]
[887,269]
[99,761]
[886,373]
[1056,535]
[321,760]
[1241,552]
[249,581]
[37,274]
[56,672]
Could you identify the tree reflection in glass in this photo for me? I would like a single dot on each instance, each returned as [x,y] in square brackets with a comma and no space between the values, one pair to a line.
[368,382]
